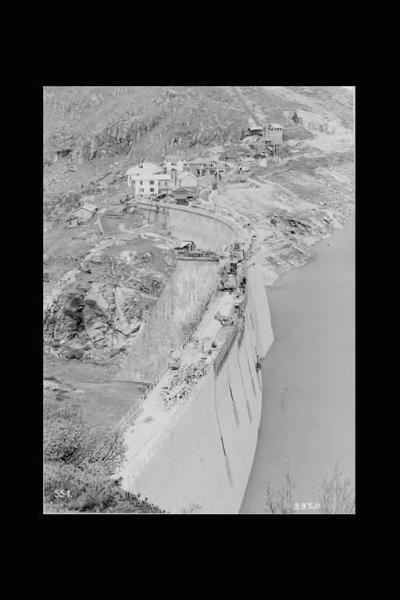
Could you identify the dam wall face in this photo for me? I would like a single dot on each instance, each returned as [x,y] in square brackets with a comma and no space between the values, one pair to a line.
[201,458]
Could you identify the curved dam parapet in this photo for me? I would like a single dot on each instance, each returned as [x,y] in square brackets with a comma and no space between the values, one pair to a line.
[208,231]
[192,447]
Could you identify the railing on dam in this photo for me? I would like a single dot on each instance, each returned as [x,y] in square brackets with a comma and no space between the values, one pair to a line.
[244,302]
[241,315]
[219,361]
[169,206]
[238,330]
[241,330]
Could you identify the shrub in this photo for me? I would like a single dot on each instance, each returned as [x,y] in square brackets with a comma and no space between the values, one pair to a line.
[80,462]
[65,431]
[89,488]
[280,501]
[336,496]
[104,447]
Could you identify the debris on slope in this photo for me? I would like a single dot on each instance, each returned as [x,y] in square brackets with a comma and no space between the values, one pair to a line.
[94,312]
[182,382]
[292,209]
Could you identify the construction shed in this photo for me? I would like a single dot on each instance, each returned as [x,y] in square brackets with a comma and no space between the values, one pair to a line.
[187,180]
[235,151]
[186,247]
[202,166]
[83,213]
[183,195]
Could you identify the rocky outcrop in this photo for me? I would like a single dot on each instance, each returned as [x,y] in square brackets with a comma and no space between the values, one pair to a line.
[94,312]
[87,322]
[83,125]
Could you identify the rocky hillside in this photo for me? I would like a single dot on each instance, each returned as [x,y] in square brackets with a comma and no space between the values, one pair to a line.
[89,122]
[87,127]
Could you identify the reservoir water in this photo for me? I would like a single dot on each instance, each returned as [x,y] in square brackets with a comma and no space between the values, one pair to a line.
[308,418]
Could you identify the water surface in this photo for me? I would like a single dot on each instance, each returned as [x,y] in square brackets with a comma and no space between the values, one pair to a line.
[308,419]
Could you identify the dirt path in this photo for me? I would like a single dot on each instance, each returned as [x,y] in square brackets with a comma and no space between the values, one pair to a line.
[245,105]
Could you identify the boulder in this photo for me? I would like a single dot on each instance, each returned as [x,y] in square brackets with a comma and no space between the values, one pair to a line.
[76,353]
[95,298]
[127,328]
[96,331]
[128,255]
[85,267]
[81,215]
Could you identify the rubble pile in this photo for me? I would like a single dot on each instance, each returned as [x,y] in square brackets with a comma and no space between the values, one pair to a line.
[291,236]
[182,383]
[150,285]
[131,256]
[135,308]
[289,223]
[58,207]
[125,269]
[224,320]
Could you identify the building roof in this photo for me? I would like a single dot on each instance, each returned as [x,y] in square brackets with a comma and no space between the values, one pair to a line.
[146,166]
[146,175]
[201,161]
[275,126]
[240,147]
[186,174]
[89,207]
[185,190]
[173,158]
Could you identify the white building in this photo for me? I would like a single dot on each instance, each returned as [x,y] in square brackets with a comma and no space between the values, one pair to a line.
[147,180]
[203,166]
[274,133]
[178,165]
[187,179]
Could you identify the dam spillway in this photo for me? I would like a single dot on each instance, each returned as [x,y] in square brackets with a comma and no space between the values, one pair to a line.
[196,455]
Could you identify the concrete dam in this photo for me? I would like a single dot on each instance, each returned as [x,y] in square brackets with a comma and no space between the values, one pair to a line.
[192,446]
